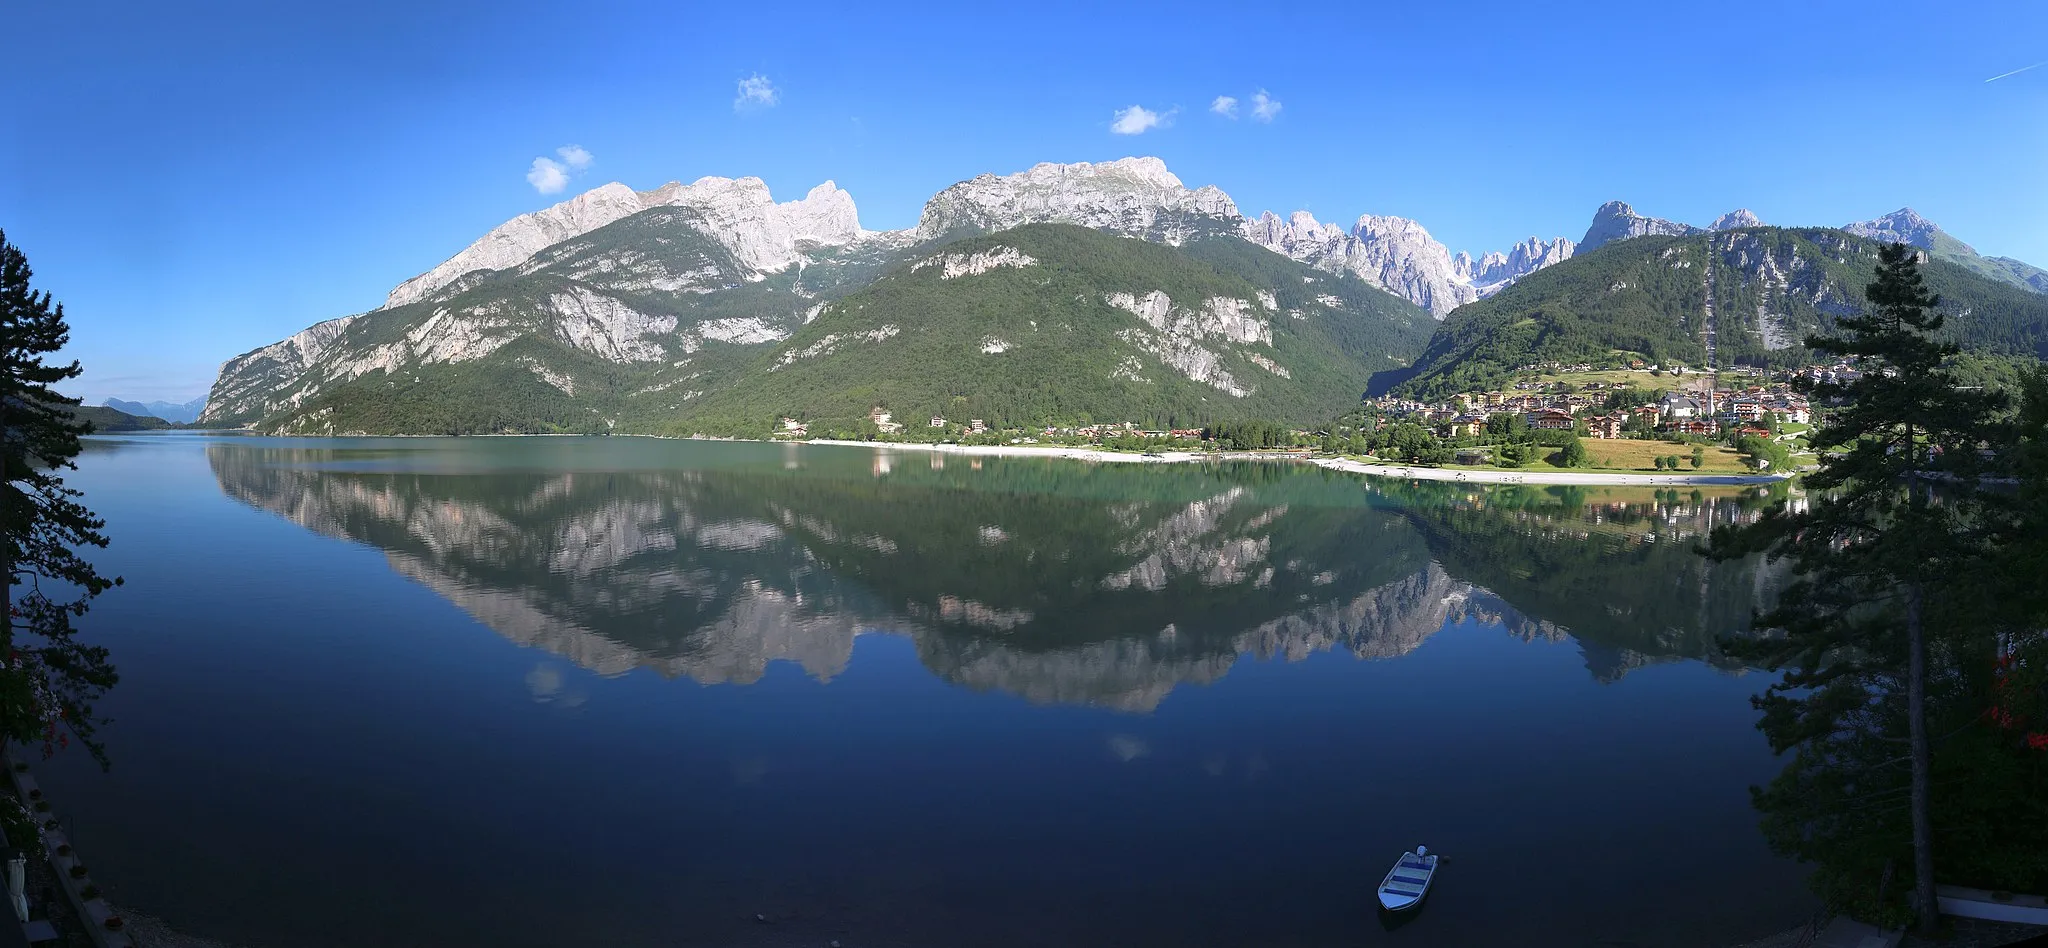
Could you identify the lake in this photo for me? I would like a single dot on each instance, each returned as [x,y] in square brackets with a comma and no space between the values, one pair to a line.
[612,691]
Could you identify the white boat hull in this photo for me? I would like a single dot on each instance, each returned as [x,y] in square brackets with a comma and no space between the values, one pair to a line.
[1408,882]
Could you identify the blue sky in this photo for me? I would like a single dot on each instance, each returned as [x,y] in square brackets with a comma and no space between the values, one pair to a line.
[195,180]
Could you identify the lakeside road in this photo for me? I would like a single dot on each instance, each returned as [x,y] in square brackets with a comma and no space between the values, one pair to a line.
[1403,472]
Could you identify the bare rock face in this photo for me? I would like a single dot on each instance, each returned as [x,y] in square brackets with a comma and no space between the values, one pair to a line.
[953,266]
[1903,226]
[1135,196]
[1398,255]
[1618,221]
[511,243]
[1907,227]
[1736,220]
[1176,334]
[617,298]
[739,211]
[247,381]
[1496,270]
[764,235]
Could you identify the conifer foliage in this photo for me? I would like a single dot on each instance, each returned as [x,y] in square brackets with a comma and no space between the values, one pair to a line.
[1879,630]
[50,678]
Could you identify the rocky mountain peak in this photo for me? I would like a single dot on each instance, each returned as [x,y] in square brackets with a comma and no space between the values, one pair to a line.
[1399,255]
[739,212]
[1496,270]
[513,242]
[1616,220]
[1903,226]
[1130,195]
[1297,235]
[1149,170]
[1736,220]
[824,216]
[1306,221]
[1388,227]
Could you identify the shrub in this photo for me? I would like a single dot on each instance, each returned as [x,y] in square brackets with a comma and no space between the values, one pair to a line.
[1574,454]
[64,849]
[42,806]
[78,871]
[89,893]
[113,923]
[21,766]
[35,794]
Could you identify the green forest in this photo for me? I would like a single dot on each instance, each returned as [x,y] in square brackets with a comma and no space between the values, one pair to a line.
[1645,298]
[913,343]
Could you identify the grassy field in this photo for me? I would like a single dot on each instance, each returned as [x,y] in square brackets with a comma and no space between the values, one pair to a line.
[1642,380]
[1621,454]
[1618,454]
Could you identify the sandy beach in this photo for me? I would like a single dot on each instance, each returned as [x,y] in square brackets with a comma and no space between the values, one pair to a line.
[1405,472]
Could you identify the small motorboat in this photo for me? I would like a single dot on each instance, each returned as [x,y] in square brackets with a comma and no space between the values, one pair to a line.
[1408,881]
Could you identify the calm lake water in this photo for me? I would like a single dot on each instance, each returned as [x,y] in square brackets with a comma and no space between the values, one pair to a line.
[629,692]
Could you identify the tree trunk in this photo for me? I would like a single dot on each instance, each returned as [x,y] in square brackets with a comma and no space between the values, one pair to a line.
[6,548]
[1916,722]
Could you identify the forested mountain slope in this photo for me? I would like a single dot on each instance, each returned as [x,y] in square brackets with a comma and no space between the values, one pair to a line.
[1757,292]
[1054,323]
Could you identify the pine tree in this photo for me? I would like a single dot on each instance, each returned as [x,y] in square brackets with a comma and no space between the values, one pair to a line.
[2027,625]
[50,678]
[1871,597]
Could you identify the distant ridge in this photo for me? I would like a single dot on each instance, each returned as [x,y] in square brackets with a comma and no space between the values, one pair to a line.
[180,412]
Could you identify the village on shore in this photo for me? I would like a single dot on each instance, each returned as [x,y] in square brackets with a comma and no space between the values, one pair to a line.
[1606,407]
[1623,418]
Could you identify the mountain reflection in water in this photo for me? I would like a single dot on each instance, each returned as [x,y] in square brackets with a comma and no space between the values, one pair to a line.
[1060,582]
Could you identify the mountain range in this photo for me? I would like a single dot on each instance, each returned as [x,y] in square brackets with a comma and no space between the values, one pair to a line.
[184,412]
[1065,292]
[1747,296]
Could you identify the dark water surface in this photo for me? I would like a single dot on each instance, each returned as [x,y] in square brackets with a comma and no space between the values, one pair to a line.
[524,692]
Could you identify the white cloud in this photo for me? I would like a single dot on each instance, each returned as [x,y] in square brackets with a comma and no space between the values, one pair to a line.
[1264,107]
[1137,119]
[574,156]
[548,176]
[755,92]
[1225,105]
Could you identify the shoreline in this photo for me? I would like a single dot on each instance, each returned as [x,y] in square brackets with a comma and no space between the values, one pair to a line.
[1396,471]
[1401,472]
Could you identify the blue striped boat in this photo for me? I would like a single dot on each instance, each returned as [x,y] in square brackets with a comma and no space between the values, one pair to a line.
[1408,881]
